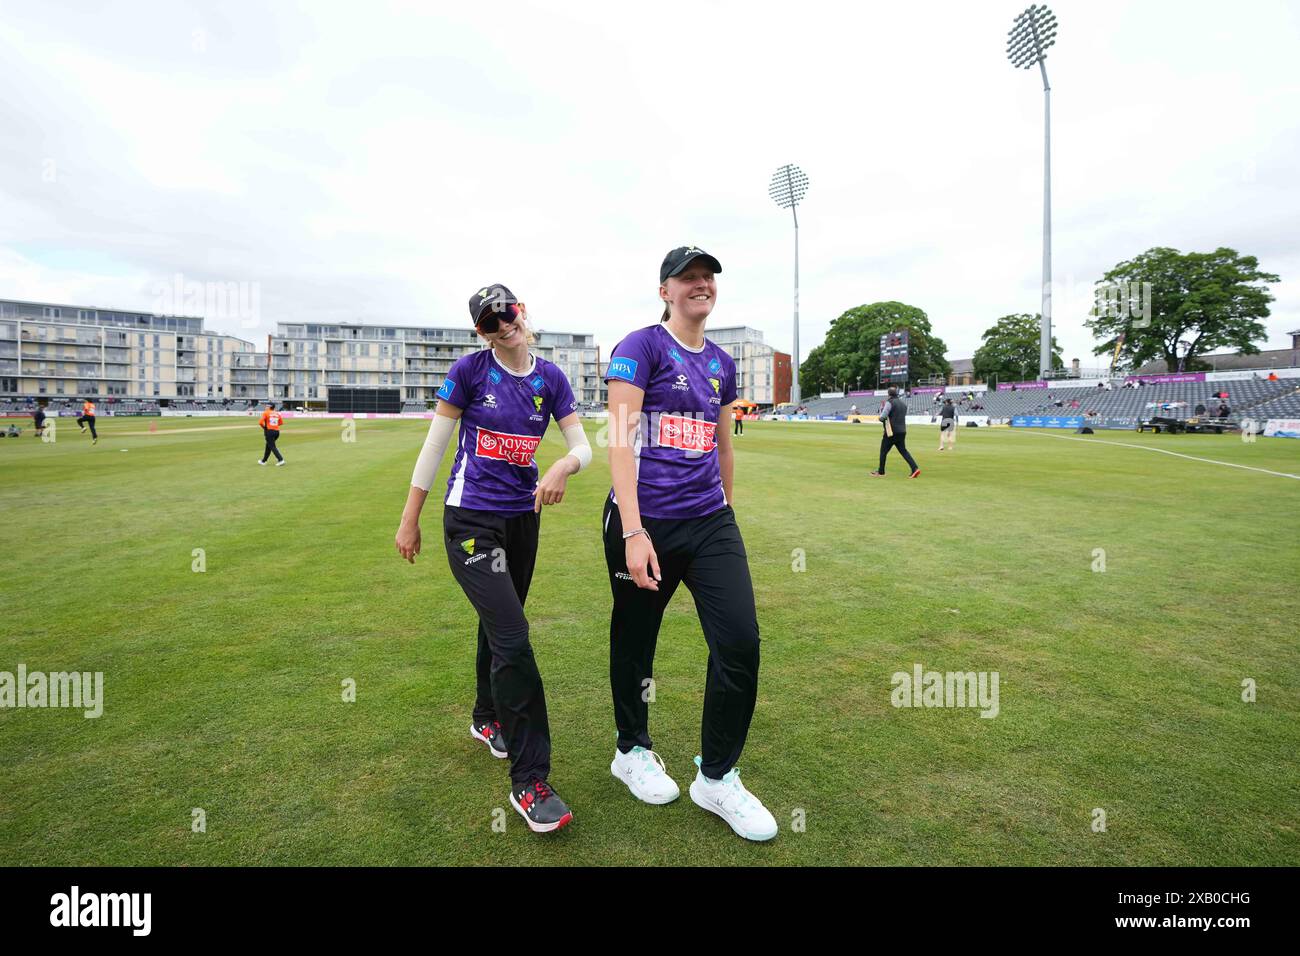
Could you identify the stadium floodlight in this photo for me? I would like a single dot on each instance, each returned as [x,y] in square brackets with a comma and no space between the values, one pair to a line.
[1032,33]
[789,185]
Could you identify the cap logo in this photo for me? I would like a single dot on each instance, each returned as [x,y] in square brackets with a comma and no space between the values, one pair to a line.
[483,293]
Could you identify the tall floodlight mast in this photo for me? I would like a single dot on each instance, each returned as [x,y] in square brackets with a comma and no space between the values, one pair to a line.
[1027,42]
[787,189]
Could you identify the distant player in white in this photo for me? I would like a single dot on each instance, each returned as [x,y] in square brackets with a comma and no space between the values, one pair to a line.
[947,425]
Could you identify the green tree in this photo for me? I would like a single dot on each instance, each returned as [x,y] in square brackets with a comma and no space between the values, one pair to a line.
[1198,302]
[1010,349]
[851,352]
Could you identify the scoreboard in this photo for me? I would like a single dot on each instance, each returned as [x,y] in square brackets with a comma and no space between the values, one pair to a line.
[893,358]
[365,400]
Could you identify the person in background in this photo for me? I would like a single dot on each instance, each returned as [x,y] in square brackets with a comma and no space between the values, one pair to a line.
[1200,409]
[270,422]
[738,419]
[38,418]
[87,417]
[893,415]
[1224,410]
[947,425]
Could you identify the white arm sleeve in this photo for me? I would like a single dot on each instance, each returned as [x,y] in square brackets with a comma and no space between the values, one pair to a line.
[576,439]
[435,446]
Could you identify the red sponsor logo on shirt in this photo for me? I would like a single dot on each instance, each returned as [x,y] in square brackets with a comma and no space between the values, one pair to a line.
[689,434]
[503,446]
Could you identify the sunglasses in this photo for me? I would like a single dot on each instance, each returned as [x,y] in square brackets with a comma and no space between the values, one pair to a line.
[491,322]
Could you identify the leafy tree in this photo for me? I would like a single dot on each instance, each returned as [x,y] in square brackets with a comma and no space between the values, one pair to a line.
[1199,302]
[851,352]
[1010,349]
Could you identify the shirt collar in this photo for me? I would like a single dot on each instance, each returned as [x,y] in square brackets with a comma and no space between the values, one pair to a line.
[532,365]
[664,326]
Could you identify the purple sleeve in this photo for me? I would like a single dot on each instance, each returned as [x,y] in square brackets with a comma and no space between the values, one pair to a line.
[563,403]
[455,387]
[631,362]
[729,381]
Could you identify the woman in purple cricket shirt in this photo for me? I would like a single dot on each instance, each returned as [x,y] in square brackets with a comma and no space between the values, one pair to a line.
[668,520]
[502,396]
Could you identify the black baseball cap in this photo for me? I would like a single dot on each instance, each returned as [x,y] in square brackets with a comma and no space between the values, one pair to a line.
[677,260]
[495,297]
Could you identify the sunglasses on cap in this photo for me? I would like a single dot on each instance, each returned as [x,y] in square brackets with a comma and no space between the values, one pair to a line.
[491,320]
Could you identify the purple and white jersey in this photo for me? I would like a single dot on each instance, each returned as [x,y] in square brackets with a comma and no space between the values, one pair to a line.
[504,418]
[676,447]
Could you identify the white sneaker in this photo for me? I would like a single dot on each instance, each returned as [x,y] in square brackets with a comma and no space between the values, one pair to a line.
[729,799]
[279,463]
[260,462]
[645,775]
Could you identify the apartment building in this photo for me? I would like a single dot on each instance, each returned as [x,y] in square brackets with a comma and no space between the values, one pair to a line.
[49,349]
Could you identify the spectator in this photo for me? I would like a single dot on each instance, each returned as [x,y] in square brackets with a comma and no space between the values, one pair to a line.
[1200,409]
[1224,410]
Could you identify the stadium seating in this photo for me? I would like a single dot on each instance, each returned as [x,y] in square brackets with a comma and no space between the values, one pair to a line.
[1284,406]
[1254,397]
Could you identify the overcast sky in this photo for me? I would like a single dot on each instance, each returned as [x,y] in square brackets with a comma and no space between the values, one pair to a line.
[379,163]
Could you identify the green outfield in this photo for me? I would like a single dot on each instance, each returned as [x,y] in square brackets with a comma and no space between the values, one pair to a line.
[1119,690]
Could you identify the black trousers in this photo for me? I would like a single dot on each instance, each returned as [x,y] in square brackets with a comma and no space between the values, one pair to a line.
[895,441]
[492,557]
[739,428]
[85,420]
[708,555]
[272,436]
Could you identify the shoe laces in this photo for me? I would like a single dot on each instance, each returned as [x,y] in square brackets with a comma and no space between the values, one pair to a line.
[732,780]
[651,758]
[542,790]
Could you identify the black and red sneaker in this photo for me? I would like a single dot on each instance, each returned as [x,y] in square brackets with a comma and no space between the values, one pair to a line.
[490,733]
[877,474]
[915,474]
[541,807]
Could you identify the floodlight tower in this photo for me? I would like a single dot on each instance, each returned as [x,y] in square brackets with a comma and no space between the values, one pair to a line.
[788,187]
[1027,42]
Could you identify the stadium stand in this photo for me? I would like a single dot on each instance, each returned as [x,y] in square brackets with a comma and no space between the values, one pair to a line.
[1284,406]
[1245,396]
